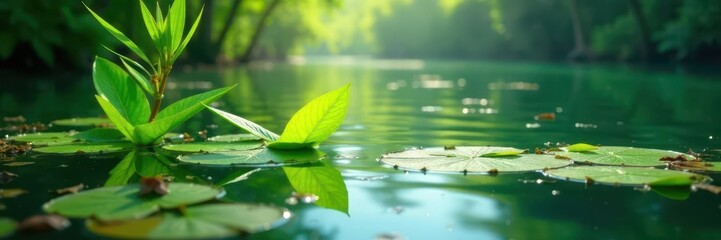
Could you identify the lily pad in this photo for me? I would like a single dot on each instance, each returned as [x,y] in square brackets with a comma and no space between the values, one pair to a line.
[89,147]
[100,135]
[233,138]
[470,160]
[45,138]
[255,157]
[213,146]
[83,122]
[124,202]
[633,176]
[203,221]
[624,156]
[7,227]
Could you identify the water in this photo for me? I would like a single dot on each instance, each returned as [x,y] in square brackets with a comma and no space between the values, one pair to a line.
[397,105]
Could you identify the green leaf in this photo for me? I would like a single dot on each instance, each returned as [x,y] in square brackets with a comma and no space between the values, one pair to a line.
[120,122]
[131,61]
[124,202]
[197,222]
[175,114]
[234,138]
[120,36]
[673,192]
[45,138]
[316,121]
[246,125]
[139,78]
[122,172]
[626,156]
[83,122]
[176,17]
[632,176]
[200,147]
[261,157]
[504,153]
[7,227]
[100,135]
[581,147]
[150,24]
[185,42]
[470,160]
[237,176]
[89,147]
[115,85]
[148,164]
[323,181]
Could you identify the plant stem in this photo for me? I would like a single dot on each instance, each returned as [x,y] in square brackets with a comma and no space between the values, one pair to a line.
[159,93]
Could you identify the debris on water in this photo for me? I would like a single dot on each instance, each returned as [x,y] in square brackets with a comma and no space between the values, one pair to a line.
[536,181]
[11,192]
[153,185]
[708,187]
[533,125]
[546,116]
[187,138]
[555,192]
[6,177]
[19,119]
[306,198]
[389,236]
[64,165]
[679,157]
[370,178]
[397,210]
[449,148]
[71,189]
[14,148]
[585,125]
[561,157]
[43,223]
[18,164]
[493,172]
[589,181]
[203,134]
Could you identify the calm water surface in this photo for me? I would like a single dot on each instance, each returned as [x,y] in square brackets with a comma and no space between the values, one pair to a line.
[396,105]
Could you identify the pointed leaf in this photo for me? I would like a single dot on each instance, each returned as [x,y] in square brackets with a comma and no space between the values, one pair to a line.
[246,125]
[323,181]
[120,36]
[150,23]
[115,85]
[141,80]
[185,42]
[175,114]
[131,61]
[119,121]
[176,17]
[317,120]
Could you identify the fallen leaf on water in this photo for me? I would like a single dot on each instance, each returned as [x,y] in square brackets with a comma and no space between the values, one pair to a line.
[20,119]
[153,185]
[549,116]
[708,187]
[43,223]
[6,177]
[71,189]
[17,164]
[679,157]
[11,192]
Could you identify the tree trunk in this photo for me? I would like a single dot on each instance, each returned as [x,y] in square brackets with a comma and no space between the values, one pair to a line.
[637,13]
[258,30]
[228,22]
[203,50]
[580,49]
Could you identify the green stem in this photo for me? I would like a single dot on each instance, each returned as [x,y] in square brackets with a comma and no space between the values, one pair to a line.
[162,79]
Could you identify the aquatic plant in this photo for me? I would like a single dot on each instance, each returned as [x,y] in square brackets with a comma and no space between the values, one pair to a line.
[121,92]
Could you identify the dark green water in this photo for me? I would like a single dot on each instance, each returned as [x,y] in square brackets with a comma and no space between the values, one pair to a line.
[401,104]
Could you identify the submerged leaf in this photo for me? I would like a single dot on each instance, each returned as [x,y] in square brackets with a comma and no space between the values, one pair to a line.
[316,121]
[464,159]
[581,147]
[627,156]
[634,176]
[254,158]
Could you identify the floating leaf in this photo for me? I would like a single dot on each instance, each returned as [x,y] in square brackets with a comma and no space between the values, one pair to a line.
[503,153]
[635,176]
[246,125]
[233,138]
[470,160]
[72,189]
[125,202]
[11,192]
[254,158]
[90,147]
[43,223]
[213,146]
[627,156]
[581,147]
[83,122]
[323,181]
[100,135]
[204,221]
[45,138]
[7,227]
[316,121]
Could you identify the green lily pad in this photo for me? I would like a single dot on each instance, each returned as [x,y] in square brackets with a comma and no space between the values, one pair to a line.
[83,122]
[470,160]
[203,221]
[124,202]
[633,176]
[100,135]
[45,138]
[7,227]
[233,138]
[255,157]
[623,156]
[87,147]
[213,146]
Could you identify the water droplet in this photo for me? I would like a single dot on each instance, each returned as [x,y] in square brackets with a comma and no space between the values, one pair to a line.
[287,214]
[555,192]
[710,137]
[559,109]
[533,125]
[539,181]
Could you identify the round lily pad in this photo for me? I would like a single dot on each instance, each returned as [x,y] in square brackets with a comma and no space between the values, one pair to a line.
[83,122]
[203,221]
[45,138]
[471,160]
[87,147]
[255,157]
[633,176]
[125,202]
[624,156]
[233,138]
[213,146]
[7,227]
